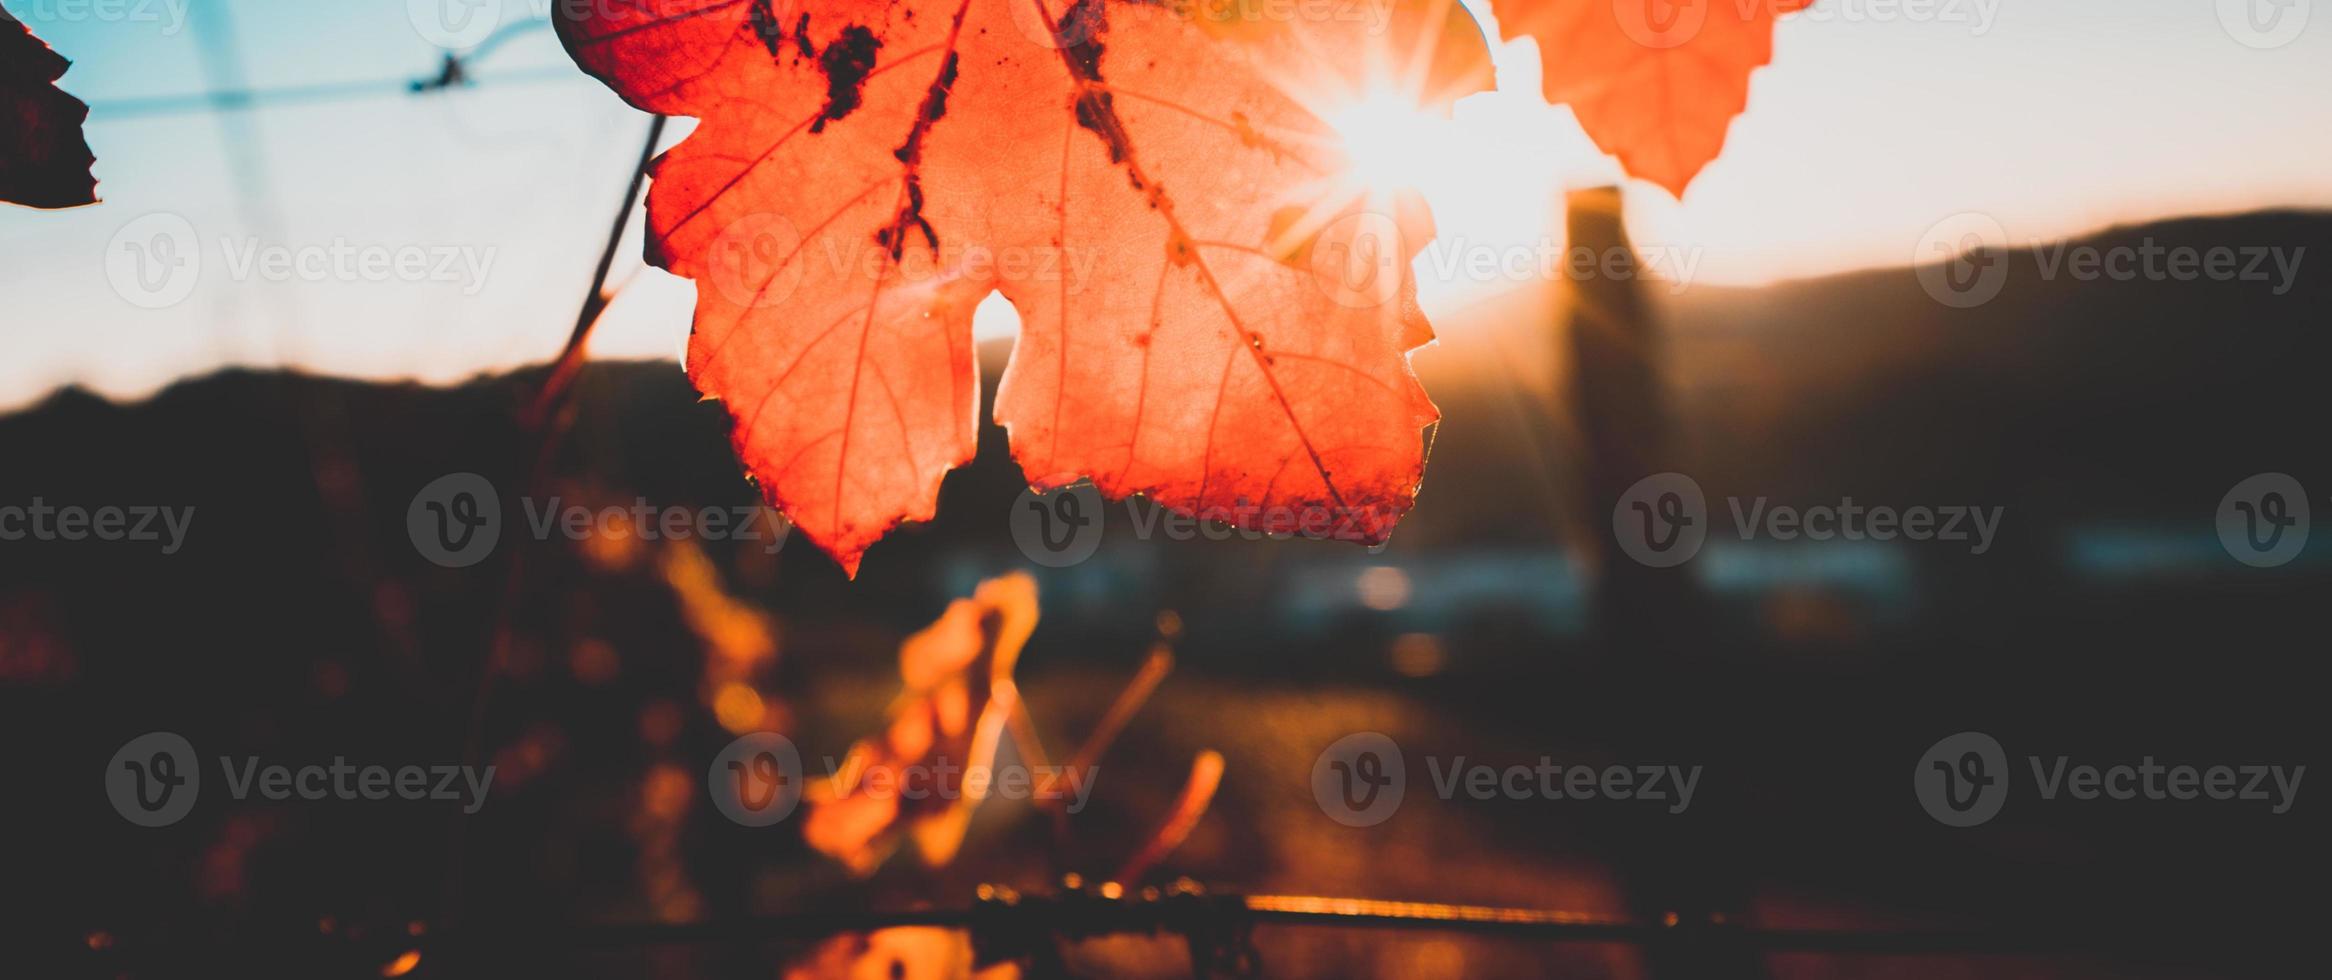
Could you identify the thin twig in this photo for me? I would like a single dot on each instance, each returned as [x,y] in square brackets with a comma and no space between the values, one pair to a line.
[1136,693]
[1206,775]
[570,359]
[547,430]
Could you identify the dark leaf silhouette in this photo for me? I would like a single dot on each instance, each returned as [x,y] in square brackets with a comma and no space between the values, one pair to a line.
[44,161]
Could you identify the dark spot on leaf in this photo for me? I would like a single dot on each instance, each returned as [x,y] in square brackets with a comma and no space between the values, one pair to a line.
[893,236]
[763,22]
[910,216]
[846,64]
[1082,26]
[934,107]
[1179,250]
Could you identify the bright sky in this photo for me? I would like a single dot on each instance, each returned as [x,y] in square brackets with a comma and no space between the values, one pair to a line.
[1878,119]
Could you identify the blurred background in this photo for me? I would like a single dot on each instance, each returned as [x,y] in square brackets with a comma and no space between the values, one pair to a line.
[1782,347]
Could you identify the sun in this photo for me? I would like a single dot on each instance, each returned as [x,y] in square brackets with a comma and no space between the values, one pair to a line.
[1391,143]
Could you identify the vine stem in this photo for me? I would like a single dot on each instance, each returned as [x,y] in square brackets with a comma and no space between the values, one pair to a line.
[570,359]
[544,419]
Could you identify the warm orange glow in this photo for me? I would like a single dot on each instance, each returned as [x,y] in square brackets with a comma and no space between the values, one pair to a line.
[593,661]
[665,793]
[957,701]
[739,635]
[660,723]
[1417,655]
[403,964]
[614,543]
[738,707]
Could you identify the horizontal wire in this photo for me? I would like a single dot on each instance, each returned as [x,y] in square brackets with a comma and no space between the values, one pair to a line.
[101,110]
[454,72]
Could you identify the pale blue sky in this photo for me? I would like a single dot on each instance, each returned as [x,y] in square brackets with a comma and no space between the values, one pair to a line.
[1877,120]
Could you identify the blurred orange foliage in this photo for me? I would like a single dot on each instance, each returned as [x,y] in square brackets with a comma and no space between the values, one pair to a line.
[924,775]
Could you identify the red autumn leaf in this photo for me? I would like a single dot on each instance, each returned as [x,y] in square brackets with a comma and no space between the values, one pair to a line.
[44,161]
[1210,314]
[1653,82]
